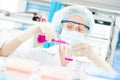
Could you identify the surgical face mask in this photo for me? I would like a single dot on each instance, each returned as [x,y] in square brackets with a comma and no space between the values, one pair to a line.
[71,36]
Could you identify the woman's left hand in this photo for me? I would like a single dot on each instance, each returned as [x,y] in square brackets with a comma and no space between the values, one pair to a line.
[83,49]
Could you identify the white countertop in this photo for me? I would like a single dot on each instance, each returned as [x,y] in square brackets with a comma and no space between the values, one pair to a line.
[48,71]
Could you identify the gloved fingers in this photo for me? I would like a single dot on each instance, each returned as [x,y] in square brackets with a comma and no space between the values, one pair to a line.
[38,28]
[80,47]
[43,27]
[81,51]
[78,53]
[46,29]
[54,35]
[79,44]
[50,34]
[69,51]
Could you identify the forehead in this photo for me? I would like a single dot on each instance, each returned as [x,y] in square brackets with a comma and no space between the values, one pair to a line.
[76,19]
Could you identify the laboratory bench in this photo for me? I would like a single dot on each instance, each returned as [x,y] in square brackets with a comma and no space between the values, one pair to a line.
[24,69]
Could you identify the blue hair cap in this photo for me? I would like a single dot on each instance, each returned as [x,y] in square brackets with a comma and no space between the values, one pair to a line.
[66,12]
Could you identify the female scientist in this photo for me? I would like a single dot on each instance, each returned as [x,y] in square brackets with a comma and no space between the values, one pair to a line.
[72,24]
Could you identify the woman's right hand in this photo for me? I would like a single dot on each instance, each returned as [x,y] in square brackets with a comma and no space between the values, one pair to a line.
[46,29]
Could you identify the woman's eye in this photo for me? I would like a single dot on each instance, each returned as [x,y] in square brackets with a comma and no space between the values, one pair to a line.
[70,27]
[80,30]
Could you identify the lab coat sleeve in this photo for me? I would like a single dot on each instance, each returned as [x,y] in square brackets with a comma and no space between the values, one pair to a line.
[2,41]
[54,55]
[45,56]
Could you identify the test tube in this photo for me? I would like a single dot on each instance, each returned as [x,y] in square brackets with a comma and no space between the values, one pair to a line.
[68,54]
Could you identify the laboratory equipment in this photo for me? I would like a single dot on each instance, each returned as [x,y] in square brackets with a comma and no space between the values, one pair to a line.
[101,73]
[59,41]
[48,44]
[68,54]
[20,69]
[2,68]
[41,38]
[55,73]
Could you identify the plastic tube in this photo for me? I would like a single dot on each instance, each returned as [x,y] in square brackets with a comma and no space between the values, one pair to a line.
[68,53]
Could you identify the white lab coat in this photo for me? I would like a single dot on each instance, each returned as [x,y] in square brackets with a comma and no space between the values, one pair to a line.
[45,56]
[2,41]
[48,56]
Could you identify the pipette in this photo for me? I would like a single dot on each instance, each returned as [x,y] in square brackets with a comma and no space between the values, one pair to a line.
[60,41]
